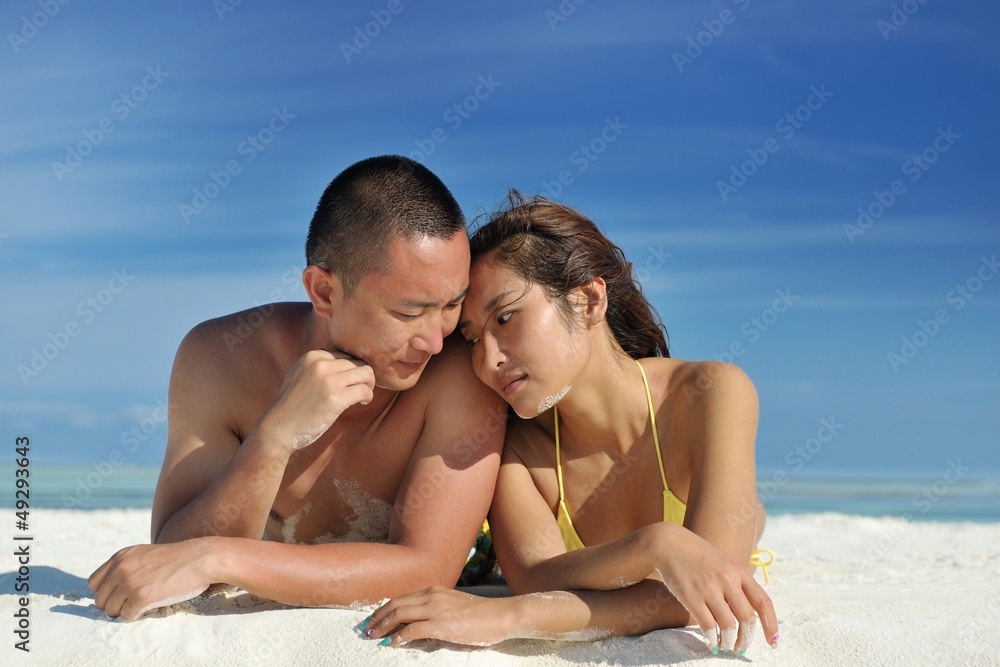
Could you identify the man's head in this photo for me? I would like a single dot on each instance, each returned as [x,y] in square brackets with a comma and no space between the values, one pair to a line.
[372,203]
[388,265]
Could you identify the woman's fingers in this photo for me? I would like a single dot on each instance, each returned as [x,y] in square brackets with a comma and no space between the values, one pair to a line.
[728,615]
[747,619]
[437,613]
[761,603]
[728,626]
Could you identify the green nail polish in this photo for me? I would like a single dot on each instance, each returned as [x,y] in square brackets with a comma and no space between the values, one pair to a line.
[715,650]
[364,623]
[385,642]
[739,654]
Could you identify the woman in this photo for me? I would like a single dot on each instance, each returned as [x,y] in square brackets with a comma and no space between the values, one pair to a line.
[627,471]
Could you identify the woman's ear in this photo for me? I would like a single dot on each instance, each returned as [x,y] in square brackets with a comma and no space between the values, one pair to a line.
[324,289]
[594,303]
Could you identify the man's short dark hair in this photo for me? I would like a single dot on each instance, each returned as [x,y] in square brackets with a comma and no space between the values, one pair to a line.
[371,203]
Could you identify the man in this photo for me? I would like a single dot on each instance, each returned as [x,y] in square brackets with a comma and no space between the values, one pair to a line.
[346,431]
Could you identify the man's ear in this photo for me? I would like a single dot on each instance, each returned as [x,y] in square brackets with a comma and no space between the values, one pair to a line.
[594,301]
[324,289]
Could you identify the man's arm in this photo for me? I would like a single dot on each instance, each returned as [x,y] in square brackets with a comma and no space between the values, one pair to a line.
[439,508]
[209,484]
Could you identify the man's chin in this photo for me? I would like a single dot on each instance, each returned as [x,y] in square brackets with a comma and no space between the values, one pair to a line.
[394,382]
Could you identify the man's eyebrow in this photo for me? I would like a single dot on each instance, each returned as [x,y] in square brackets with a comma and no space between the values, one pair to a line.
[487,308]
[429,304]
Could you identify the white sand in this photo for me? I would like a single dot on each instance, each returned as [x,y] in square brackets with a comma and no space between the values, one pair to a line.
[848,590]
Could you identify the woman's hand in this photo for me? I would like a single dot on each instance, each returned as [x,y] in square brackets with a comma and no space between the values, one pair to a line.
[443,614]
[717,591]
[143,577]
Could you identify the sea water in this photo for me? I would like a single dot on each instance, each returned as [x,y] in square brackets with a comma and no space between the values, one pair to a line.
[916,497]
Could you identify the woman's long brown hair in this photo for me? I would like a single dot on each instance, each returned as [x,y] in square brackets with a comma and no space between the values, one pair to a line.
[559,249]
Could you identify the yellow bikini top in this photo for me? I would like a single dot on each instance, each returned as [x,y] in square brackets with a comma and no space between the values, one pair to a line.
[673,508]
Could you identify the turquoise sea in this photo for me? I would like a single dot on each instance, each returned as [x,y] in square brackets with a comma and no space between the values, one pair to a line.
[942,498]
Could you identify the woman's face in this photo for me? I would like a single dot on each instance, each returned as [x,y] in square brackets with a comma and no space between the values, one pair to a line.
[522,346]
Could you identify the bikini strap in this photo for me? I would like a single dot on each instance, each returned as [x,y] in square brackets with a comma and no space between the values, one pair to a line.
[652,422]
[562,495]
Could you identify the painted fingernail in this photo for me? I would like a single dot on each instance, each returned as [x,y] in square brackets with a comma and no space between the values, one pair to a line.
[739,654]
[385,642]
[364,623]
[774,641]
[715,650]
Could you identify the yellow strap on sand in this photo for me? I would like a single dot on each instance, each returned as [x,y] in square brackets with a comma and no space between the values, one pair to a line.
[757,560]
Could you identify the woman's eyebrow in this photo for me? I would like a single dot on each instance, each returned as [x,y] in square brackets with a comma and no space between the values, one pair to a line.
[487,308]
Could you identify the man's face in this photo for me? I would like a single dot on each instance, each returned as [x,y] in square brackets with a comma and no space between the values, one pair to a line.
[395,321]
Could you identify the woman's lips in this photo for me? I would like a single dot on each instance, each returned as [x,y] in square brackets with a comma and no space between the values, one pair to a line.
[512,386]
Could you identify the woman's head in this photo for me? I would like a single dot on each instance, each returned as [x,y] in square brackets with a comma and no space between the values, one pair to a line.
[548,247]
[559,249]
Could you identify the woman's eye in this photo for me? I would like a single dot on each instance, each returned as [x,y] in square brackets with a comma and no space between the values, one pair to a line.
[471,342]
[503,317]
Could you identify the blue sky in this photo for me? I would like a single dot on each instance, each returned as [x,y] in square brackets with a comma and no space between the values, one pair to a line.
[727,146]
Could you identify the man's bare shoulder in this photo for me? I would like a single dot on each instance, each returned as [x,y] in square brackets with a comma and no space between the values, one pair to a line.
[450,372]
[237,352]
[530,443]
[266,329]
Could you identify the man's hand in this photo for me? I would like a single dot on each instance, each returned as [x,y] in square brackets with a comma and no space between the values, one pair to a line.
[316,390]
[141,578]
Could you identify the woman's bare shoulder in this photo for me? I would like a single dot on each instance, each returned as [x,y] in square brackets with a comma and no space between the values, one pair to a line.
[700,382]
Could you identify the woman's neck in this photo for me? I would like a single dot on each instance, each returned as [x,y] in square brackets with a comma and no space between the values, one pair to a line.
[606,409]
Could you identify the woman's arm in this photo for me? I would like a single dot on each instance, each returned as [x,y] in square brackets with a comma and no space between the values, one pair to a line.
[461,618]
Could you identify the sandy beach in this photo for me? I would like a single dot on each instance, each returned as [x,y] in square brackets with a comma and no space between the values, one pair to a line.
[849,590]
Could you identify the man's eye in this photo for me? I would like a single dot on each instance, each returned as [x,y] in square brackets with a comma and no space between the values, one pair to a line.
[407,316]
